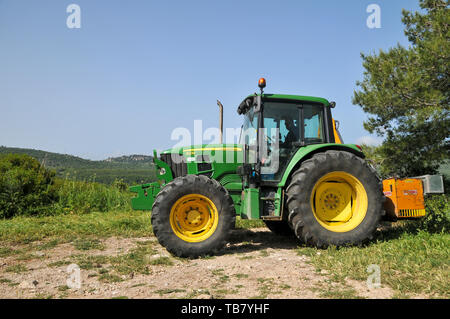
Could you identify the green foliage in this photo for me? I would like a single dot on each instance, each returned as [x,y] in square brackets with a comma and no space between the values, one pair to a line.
[406,92]
[437,219]
[131,176]
[85,197]
[376,158]
[26,187]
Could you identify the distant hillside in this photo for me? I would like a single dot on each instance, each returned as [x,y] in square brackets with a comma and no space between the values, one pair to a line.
[137,160]
[131,168]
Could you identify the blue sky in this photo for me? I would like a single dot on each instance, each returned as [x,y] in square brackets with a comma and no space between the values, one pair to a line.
[136,70]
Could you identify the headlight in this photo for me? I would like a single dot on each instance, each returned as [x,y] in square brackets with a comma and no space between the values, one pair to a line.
[162,171]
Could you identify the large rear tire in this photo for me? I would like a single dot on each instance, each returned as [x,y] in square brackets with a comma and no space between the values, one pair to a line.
[193,216]
[334,198]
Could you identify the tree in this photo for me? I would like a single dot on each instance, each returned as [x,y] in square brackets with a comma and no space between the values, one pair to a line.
[406,91]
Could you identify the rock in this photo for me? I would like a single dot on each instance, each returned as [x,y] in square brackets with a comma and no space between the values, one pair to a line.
[39,254]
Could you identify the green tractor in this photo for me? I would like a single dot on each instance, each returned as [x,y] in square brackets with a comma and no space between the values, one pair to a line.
[290,169]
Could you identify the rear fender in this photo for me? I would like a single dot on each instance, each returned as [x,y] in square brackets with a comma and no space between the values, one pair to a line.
[307,152]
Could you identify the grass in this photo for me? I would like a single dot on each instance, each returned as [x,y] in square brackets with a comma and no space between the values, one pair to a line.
[87,262]
[113,268]
[5,281]
[166,261]
[337,293]
[48,245]
[249,223]
[59,263]
[196,292]
[411,262]
[63,288]
[72,227]
[110,278]
[82,229]
[17,269]
[136,261]
[88,244]
[6,251]
[266,288]
[168,291]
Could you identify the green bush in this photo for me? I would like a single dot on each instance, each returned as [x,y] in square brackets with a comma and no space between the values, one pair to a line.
[26,187]
[437,219]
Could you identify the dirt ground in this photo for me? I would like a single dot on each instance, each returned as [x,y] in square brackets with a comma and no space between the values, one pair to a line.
[263,266]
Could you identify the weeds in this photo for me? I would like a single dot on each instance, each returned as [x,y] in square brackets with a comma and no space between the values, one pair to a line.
[87,244]
[17,269]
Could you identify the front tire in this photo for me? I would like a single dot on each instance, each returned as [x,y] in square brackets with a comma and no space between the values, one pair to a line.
[334,198]
[193,216]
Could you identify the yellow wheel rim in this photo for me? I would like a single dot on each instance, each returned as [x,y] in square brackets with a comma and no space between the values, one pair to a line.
[339,202]
[194,218]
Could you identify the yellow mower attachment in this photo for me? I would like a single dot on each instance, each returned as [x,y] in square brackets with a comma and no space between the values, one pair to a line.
[404,198]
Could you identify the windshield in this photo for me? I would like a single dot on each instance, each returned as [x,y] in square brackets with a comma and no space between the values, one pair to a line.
[248,133]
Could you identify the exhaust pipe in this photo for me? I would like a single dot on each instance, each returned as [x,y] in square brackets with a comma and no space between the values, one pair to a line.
[220,120]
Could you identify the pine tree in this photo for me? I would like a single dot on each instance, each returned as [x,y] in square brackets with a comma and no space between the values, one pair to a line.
[406,91]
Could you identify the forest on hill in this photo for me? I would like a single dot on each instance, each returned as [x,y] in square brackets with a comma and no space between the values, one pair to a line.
[132,169]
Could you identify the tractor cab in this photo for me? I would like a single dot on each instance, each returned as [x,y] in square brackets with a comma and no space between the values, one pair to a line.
[276,126]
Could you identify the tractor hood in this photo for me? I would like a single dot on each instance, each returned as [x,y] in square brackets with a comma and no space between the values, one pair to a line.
[212,160]
[204,149]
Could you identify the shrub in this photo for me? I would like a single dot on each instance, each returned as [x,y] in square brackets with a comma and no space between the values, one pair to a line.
[437,219]
[26,187]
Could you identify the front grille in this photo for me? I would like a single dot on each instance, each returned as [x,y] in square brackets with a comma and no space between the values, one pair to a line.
[177,164]
[405,213]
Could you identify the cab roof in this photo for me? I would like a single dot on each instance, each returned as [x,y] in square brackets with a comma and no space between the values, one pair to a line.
[297,98]
[243,107]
